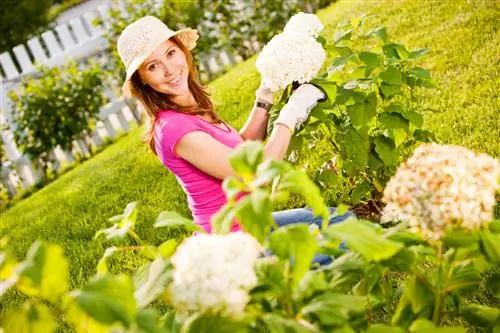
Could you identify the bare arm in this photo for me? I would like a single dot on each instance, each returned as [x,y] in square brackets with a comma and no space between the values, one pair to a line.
[255,127]
[212,157]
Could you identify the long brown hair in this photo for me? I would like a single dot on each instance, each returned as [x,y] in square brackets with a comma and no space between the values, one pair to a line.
[154,101]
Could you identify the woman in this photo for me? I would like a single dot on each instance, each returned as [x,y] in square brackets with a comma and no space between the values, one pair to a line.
[185,132]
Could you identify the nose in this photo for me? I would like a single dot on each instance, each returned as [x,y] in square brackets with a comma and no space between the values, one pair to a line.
[168,70]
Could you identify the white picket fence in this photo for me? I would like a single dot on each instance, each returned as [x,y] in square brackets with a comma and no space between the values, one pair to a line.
[77,39]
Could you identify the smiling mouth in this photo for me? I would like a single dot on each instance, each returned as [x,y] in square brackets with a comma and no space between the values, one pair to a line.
[177,80]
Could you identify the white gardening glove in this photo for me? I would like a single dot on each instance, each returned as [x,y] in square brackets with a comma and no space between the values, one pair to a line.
[264,93]
[300,103]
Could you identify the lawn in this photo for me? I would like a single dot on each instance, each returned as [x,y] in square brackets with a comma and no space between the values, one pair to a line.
[464,39]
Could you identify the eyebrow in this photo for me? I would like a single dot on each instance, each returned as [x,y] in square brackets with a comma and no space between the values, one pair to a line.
[152,61]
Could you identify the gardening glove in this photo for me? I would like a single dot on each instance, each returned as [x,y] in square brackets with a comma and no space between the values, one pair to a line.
[299,105]
[264,94]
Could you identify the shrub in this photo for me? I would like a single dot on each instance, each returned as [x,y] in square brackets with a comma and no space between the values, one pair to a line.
[371,120]
[55,109]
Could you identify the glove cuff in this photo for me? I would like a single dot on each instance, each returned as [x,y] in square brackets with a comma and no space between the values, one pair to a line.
[287,117]
[265,94]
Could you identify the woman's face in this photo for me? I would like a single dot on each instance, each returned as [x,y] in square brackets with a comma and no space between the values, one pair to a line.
[166,70]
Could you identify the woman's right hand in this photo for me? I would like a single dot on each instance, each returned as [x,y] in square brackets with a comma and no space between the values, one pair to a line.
[299,105]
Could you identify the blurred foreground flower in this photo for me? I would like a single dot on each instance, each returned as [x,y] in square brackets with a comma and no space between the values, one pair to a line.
[294,55]
[444,186]
[214,273]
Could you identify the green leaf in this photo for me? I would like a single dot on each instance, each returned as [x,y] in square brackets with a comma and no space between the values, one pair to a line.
[329,88]
[28,318]
[374,162]
[407,238]
[278,324]
[463,275]
[380,32]
[313,283]
[424,136]
[170,323]
[414,117]
[420,73]
[495,226]
[383,328]
[108,299]
[392,75]
[490,246]
[394,126]
[389,90]
[418,53]
[174,220]
[147,321]
[206,323]
[334,309]
[222,221]
[342,35]
[416,297]
[167,248]
[45,272]
[386,150]
[421,324]
[151,280]
[395,51]
[369,58]
[493,283]
[354,149]
[246,158]
[232,187]
[481,315]
[364,239]
[298,183]
[102,266]
[254,214]
[268,171]
[361,114]
[460,238]
[360,191]
[294,242]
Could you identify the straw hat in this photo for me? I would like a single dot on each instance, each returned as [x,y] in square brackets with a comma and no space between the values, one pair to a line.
[140,38]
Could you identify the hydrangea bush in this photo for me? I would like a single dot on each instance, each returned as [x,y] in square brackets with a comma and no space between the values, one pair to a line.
[371,120]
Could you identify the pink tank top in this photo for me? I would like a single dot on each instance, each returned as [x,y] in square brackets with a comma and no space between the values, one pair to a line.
[204,192]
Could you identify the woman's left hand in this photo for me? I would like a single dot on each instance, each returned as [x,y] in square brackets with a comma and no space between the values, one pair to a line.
[264,93]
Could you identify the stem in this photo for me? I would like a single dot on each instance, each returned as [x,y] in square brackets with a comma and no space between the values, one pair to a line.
[135,237]
[131,248]
[436,315]
[288,296]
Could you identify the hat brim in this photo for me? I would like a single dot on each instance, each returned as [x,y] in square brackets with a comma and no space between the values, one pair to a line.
[187,36]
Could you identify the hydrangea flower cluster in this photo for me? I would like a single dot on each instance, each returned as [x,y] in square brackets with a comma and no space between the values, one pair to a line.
[443,186]
[214,273]
[391,213]
[294,55]
[307,24]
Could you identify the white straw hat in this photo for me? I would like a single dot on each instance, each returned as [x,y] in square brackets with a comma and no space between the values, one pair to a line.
[140,38]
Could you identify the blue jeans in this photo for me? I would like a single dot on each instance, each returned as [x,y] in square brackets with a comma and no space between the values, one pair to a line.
[305,215]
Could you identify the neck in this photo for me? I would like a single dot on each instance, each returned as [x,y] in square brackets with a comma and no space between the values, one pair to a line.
[184,100]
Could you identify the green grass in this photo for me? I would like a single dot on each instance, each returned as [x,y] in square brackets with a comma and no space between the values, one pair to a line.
[465,61]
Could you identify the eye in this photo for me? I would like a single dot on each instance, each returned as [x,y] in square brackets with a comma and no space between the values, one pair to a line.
[171,53]
[152,67]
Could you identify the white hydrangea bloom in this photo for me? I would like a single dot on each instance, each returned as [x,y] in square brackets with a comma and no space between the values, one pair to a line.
[391,213]
[442,186]
[289,57]
[213,273]
[303,23]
